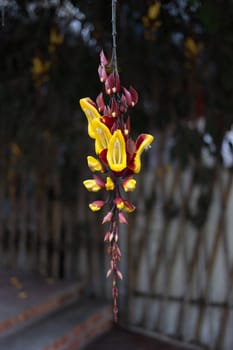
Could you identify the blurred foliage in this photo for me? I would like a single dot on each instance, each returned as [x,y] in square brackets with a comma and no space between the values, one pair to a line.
[177,54]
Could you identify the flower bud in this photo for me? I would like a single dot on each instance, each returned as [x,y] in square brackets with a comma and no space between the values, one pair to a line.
[117,85]
[94,164]
[119,274]
[123,107]
[99,181]
[128,97]
[134,96]
[118,251]
[109,84]
[129,184]
[102,74]
[109,184]
[96,205]
[103,59]
[129,207]
[119,203]
[91,185]
[122,218]
[107,217]
[108,273]
[114,110]
[111,237]
[106,237]
[100,102]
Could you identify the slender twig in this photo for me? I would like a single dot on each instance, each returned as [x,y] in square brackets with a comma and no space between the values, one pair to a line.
[114,34]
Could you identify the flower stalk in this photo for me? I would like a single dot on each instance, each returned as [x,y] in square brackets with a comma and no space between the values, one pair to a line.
[114,35]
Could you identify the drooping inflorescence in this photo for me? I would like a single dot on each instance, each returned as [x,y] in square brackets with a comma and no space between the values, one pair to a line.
[118,159]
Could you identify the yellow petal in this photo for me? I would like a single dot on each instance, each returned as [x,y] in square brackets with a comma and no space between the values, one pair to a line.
[91,185]
[94,207]
[191,46]
[55,37]
[94,164]
[147,140]
[15,149]
[120,205]
[154,10]
[129,207]
[109,185]
[116,155]
[129,185]
[91,114]
[101,134]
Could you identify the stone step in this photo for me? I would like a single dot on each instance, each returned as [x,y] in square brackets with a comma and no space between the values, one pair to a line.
[68,329]
[25,299]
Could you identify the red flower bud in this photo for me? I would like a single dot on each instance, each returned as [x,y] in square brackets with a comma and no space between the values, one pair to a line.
[111,237]
[102,74]
[107,217]
[134,96]
[129,207]
[119,274]
[123,107]
[106,237]
[100,102]
[128,97]
[122,218]
[108,273]
[114,111]
[118,250]
[109,84]
[100,182]
[128,125]
[117,83]
[103,59]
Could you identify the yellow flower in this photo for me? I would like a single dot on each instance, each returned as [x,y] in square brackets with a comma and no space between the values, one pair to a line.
[119,203]
[96,205]
[55,37]
[91,185]
[16,151]
[154,10]
[128,207]
[192,48]
[39,66]
[143,142]
[90,112]
[94,164]
[129,184]
[116,154]
[101,134]
[109,185]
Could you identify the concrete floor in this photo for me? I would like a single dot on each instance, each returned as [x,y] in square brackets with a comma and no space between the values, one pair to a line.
[119,339]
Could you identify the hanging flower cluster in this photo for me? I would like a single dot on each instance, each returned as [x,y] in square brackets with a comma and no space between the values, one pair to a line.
[118,159]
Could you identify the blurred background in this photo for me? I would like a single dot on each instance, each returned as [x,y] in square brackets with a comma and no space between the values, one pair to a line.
[178,247]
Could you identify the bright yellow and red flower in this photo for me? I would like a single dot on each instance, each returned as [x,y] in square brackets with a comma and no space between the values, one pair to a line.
[115,148]
[119,157]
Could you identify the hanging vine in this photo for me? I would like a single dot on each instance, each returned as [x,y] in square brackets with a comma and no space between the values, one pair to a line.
[118,155]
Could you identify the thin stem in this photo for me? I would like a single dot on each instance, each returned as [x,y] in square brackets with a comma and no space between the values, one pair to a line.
[114,34]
